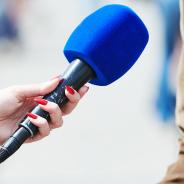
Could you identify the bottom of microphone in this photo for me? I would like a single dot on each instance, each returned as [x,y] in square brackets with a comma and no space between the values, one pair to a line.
[4,154]
[13,143]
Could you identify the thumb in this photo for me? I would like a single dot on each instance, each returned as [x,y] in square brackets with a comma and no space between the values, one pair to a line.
[33,90]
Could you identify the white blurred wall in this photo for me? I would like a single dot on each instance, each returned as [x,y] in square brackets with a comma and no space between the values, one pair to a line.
[113,135]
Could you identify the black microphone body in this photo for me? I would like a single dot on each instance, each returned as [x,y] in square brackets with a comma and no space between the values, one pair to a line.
[77,74]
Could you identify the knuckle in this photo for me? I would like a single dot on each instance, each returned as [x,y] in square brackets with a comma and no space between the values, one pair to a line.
[40,88]
[45,133]
[54,107]
[77,98]
[60,123]
[74,100]
[43,122]
[68,111]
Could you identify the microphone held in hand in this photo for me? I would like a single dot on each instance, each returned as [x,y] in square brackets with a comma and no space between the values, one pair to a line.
[110,41]
[101,49]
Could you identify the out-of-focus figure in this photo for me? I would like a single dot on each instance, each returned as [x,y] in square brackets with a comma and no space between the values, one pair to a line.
[10,11]
[166,98]
[166,90]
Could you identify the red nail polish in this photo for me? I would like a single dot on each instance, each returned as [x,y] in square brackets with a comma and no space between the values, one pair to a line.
[41,101]
[32,115]
[61,81]
[70,90]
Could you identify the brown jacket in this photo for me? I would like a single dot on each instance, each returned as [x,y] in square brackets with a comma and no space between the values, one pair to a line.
[175,173]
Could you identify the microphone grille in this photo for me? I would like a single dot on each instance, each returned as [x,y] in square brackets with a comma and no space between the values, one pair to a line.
[110,41]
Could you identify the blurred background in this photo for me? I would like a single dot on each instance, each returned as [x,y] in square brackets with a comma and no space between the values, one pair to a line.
[122,133]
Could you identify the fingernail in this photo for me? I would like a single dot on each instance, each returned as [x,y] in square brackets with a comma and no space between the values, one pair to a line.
[70,90]
[56,77]
[61,81]
[32,115]
[87,88]
[41,101]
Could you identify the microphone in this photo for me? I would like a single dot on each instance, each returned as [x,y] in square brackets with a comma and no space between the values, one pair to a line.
[103,47]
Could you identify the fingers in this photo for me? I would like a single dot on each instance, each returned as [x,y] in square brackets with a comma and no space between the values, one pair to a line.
[83,90]
[74,98]
[42,124]
[54,111]
[33,90]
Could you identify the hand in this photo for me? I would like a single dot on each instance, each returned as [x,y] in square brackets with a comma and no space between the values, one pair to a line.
[17,101]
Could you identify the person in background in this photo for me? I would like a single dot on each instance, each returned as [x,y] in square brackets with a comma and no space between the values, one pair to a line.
[166,97]
[175,172]
[10,13]
[17,102]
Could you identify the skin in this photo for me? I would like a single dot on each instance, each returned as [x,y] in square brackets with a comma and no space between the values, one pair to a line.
[17,101]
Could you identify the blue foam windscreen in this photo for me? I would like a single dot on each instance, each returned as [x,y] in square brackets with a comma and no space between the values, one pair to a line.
[110,40]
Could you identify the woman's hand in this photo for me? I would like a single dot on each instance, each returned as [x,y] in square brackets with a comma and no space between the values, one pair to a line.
[17,101]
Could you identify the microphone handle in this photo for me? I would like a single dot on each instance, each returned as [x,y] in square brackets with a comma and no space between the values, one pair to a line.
[77,74]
